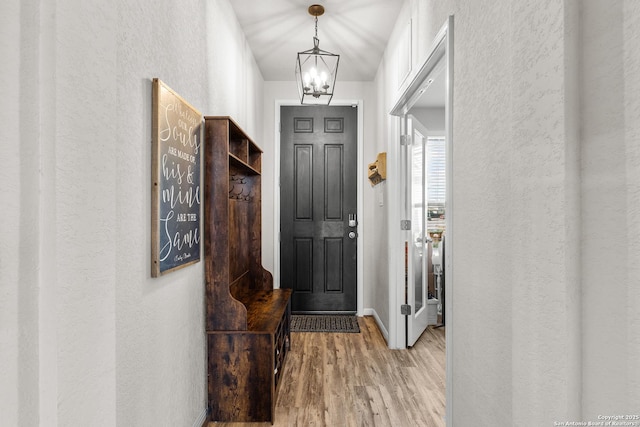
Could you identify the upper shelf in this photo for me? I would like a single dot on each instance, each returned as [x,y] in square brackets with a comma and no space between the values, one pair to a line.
[253,168]
[243,151]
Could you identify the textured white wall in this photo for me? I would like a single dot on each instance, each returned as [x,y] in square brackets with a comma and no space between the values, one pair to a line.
[378,205]
[234,81]
[611,207]
[18,342]
[89,338]
[161,362]
[515,316]
[85,206]
[631,61]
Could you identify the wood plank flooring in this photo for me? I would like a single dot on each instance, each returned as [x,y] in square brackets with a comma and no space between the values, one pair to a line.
[337,379]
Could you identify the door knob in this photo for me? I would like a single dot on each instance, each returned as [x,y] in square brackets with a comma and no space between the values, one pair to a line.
[352,235]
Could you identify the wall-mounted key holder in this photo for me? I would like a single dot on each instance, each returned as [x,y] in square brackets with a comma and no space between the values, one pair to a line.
[378,169]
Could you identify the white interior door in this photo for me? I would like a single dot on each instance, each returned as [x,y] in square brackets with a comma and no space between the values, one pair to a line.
[418,244]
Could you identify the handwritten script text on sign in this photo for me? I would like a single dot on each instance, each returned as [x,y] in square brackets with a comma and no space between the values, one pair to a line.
[179,137]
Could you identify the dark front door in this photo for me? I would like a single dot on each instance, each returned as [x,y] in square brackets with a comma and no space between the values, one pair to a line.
[318,194]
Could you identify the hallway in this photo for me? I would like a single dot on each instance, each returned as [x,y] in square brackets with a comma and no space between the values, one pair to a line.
[355,380]
[544,325]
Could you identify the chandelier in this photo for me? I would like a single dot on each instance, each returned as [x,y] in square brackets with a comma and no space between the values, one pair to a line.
[316,69]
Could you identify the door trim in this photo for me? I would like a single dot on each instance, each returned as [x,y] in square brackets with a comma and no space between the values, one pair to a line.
[360,188]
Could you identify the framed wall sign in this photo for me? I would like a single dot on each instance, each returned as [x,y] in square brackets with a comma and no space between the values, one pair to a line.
[175,181]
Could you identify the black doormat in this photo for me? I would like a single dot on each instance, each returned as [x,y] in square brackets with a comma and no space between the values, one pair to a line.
[324,323]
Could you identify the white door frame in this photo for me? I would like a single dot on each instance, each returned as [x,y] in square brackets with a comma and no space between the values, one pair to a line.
[360,209]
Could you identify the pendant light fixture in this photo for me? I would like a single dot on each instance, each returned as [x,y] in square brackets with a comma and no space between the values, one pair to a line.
[316,69]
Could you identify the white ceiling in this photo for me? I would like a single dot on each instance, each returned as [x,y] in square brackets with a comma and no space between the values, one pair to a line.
[357,30]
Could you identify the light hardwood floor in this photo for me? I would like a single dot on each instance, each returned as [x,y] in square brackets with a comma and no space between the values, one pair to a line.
[354,380]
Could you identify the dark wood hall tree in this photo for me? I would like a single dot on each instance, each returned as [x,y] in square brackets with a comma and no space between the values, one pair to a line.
[247,321]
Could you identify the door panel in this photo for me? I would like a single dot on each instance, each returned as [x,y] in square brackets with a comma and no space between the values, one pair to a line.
[333,182]
[303,253]
[333,265]
[303,169]
[318,192]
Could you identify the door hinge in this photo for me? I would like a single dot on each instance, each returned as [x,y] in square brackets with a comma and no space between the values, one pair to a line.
[405,224]
[405,140]
[405,309]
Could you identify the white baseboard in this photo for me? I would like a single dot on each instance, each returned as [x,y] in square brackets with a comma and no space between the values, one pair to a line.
[201,418]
